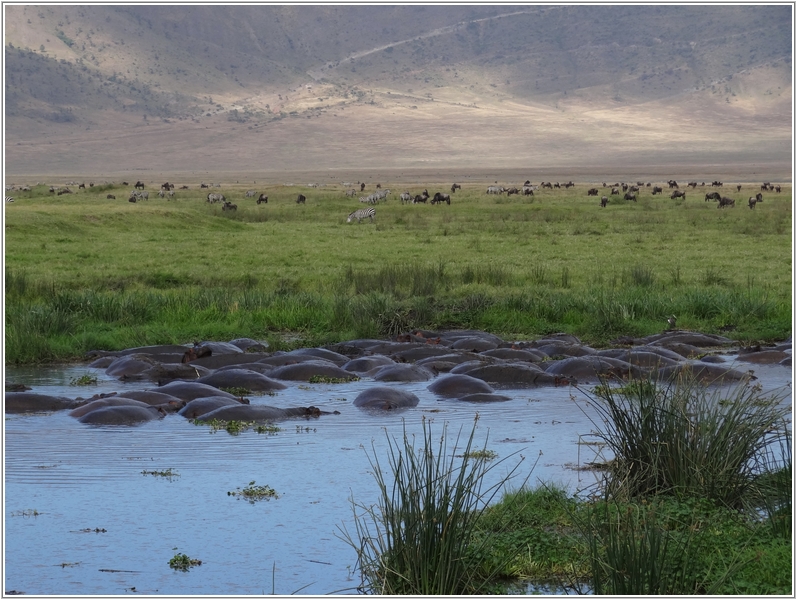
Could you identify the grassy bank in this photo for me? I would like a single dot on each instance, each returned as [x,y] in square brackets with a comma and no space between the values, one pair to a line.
[85,272]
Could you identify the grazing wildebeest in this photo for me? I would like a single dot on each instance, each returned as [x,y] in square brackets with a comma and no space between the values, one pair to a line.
[167,186]
[229,206]
[755,199]
[300,199]
[640,183]
[692,184]
[548,185]
[110,197]
[633,188]
[125,183]
[712,196]
[777,189]
[570,184]
[592,192]
[421,198]
[438,197]
[556,185]
[625,187]
[672,183]
[739,188]
[139,185]
[527,182]
[724,201]
[183,187]
[379,186]
[604,201]
[657,190]
[528,190]
[362,187]
[512,190]
[203,185]
[262,199]
[630,196]
[455,187]
[64,191]
[678,194]
[615,192]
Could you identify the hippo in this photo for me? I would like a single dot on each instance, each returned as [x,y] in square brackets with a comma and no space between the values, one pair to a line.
[217,348]
[216,361]
[305,371]
[200,406]
[586,369]
[103,402]
[763,357]
[366,363]
[257,367]
[243,378]
[166,372]
[385,398]
[529,355]
[474,344]
[452,386]
[401,372]
[509,375]
[420,352]
[703,372]
[565,349]
[333,357]
[151,397]
[189,390]
[22,402]
[459,358]
[259,413]
[122,415]
[103,362]
[701,340]
[640,358]
[455,335]
[684,350]
[156,351]
[280,359]
[130,364]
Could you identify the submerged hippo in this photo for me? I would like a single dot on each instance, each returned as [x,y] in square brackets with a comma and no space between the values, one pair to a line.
[243,378]
[305,371]
[21,402]
[385,398]
[201,406]
[260,413]
[103,402]
[189,390]
[122,415]
[454,386]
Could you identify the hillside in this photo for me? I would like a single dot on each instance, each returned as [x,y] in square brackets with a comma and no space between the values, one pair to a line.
[94,89]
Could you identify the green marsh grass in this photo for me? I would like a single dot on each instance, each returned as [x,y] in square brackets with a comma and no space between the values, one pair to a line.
[82,269]
[419,539]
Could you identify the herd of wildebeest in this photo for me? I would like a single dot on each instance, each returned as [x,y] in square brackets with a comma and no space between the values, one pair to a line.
[629,192]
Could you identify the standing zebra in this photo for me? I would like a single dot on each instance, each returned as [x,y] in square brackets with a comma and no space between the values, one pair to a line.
[363,213]
[9,199]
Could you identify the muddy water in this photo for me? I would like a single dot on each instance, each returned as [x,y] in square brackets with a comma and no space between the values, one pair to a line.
[79,478]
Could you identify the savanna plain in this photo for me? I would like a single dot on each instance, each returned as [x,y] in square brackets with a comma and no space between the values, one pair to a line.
[87,272]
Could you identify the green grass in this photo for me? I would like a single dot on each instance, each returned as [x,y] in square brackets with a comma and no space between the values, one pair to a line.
[83,272]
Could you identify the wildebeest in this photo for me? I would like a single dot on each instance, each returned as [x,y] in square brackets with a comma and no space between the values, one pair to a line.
[64,191]
[755,199]
[548,185]
[604,201]
[657,190]
[125,183]
[724,201]
[570,184]
[739,188]
[692,184]
[421,198]
[438,197]
[712,196]
[615,192]
[167,186]
[765,186]
[262,199]
[110,197]
[633,188]
[203,185]
[229,206]
[512,190]
[81,186]
[379,186]
[678,194]
[630,196]
[592,192]
[455,187]
[528,190]
[301,199]
[625,187]
[139,185]
[183,187]
[362,187]
[672,183]
[777,189]
[716,184]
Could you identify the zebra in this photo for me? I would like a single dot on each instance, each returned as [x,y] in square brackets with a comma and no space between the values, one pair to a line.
[405,197]
[363,213]
[212,197]
[170,194]
[494,189]
[9,199]
[161,193]
[250,193]
[351,193]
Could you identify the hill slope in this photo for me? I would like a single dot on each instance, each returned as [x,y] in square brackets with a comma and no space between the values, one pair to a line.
[96,89]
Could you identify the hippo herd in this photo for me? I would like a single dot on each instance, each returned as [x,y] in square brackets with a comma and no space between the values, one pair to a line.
[209,381]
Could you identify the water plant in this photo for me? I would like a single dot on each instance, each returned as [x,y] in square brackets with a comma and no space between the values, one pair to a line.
[168,473]
[83,380]
[419,537]
[253,493]
[183,562]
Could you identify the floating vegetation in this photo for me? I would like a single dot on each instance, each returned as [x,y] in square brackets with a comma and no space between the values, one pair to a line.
[183,562]
[236,427]
[238,392]
[480,454]
[300,429]
[83,380]
[323,379]
[28,512]
[253,493]
[95,530]
[168,473]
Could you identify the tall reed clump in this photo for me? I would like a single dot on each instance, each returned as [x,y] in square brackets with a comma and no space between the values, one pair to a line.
[419,538]
[685,439]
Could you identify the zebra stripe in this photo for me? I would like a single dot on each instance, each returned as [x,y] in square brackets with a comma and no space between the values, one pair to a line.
[363,213]
[9,199]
